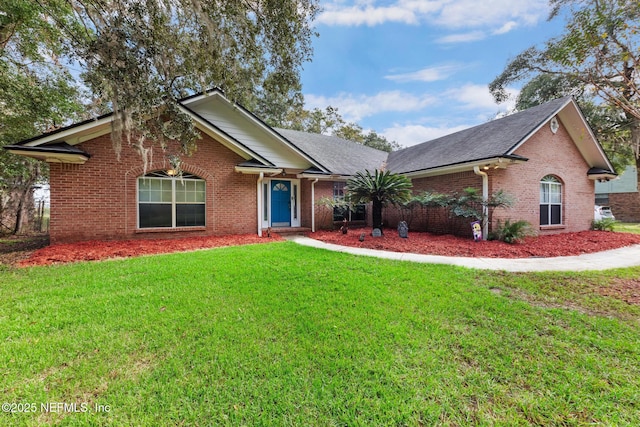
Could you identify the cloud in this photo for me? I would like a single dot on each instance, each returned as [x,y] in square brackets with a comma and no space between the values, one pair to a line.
[508,26]
[367,15]
[354,108]
[412,134]
[477,97]
[472,103]
[471,36]
[429,74]
[453,14]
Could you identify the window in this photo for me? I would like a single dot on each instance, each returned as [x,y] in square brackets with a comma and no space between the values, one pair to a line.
[165,201]
[354,213]
[550,201]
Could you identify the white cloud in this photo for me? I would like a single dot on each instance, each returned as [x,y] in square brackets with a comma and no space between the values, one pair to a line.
[508,26]
[478,97]
[356,107]
[429,74]
[471,102]
[366,15]
[503,14]
[471,36]
[408,135]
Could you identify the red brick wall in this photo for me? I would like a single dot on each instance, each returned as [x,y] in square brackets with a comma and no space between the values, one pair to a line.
[98,200]
[548,154]
[436,220]
[625,206]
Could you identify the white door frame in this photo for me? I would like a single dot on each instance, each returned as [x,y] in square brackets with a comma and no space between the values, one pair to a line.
[265,197]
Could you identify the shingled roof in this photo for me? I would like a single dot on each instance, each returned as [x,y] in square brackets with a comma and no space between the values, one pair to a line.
[338,155]
[497,138]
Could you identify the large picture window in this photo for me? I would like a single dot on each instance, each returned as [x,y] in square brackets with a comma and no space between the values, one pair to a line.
[170,202]
[550,201]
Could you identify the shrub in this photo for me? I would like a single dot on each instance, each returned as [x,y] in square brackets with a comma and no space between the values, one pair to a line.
[604,224]
[511,232]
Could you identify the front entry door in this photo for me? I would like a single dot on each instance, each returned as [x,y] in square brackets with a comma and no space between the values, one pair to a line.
[280,203]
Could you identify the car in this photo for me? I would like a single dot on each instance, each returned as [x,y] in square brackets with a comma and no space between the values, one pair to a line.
[602,212]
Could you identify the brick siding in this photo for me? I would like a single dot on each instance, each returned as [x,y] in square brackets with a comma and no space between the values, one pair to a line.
[548,154]
[98,200]
[625,206]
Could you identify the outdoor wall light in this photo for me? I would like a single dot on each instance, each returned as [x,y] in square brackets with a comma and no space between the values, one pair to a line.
[172,172]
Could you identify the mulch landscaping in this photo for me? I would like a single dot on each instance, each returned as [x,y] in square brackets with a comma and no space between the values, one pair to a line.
[98,250]
[563,244]
[36,251]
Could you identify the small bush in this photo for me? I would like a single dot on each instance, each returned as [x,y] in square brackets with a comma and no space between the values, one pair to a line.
[511,232]
[604,224]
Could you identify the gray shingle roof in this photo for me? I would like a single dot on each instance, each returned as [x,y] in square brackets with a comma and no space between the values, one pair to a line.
[496,138]
[338,155]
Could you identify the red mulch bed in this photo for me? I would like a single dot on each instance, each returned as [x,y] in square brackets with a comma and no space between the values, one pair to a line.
[98,250]
[424,243]
[563,244]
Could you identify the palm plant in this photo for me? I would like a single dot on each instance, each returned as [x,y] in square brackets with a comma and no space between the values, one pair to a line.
[380,188]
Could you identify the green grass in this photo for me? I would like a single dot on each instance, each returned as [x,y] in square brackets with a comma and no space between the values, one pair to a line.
[625,227]
[280,334]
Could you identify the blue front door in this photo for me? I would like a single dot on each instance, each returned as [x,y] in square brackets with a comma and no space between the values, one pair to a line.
[280,203]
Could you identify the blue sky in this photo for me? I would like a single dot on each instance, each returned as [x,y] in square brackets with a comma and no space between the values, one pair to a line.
[414,70]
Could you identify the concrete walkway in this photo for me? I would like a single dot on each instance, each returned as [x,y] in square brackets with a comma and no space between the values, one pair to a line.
[616,258]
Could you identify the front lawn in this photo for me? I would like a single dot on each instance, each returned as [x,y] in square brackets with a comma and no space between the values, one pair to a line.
[627,227]
[279,334]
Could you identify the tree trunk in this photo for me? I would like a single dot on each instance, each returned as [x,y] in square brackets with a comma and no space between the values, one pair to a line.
[377,214]
[20,210]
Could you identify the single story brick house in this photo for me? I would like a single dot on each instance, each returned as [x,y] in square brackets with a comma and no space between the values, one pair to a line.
[247,177]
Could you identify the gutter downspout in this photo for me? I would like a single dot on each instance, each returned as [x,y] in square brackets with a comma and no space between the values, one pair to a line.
[313,205]
[259,204]
[485,197]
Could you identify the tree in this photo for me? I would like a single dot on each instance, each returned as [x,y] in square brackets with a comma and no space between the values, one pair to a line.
[609,123]
[330,122]
[143,57]
[599,53]
[36,94]
[381,189]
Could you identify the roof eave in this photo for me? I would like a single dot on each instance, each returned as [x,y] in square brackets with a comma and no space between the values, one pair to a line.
[597,174]
[49,156]
[256,170]
[498,162]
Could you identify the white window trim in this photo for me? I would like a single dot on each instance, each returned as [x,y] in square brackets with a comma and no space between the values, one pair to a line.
[173,203]
[556,182]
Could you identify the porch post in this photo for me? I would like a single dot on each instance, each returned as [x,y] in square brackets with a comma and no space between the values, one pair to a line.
[259,204]
[313,205]
[485,197]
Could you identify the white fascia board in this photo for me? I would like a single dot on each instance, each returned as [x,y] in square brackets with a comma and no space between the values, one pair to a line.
[258,123]
[533,132]
[595,156]
[463,167]
[324,177]
[72,158]
[256,171]
[224,139]
[76,134]
[570,116]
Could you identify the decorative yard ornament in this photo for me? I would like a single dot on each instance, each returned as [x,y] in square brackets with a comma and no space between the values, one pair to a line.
[476,227]
[403,229]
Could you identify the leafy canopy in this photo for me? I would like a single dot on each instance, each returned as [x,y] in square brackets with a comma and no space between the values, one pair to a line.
[597,55]
[136,56]
[381,186]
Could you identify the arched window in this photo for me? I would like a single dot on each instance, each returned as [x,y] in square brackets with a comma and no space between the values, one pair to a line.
[550,201]
[167,201]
